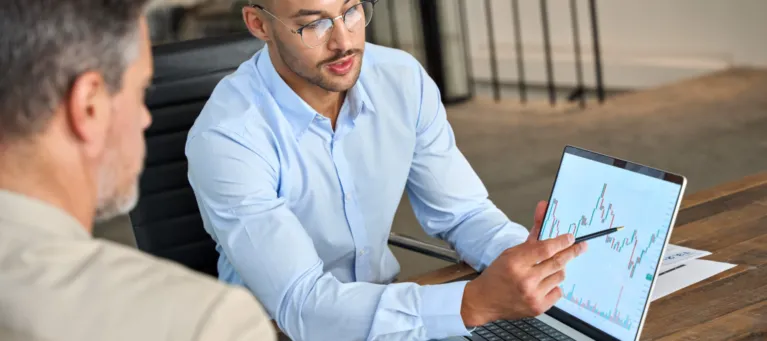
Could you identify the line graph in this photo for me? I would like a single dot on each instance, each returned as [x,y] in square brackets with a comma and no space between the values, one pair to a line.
[618,247]
[574,228]
[634,263]
[609,285]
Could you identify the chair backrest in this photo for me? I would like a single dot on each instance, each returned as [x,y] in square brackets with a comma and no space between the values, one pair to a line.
[166,222]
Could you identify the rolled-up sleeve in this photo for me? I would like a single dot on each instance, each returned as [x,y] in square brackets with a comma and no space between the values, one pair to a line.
[236,188]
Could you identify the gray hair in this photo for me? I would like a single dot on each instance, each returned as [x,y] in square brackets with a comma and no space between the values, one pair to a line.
[46,44]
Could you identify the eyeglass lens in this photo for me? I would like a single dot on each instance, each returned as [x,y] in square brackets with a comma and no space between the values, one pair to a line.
[356,17]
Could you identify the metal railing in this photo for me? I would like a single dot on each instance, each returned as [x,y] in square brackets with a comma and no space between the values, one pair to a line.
[432,29]
[427,23]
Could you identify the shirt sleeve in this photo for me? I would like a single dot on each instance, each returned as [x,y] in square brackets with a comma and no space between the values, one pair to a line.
[236,188]
[447,196]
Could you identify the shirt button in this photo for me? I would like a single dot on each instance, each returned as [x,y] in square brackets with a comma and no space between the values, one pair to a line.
[348,197]
[362,252]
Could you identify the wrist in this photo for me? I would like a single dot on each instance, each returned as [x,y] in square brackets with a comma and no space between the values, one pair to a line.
[472,312]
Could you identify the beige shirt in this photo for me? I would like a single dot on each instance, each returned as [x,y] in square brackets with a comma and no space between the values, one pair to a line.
[58,283]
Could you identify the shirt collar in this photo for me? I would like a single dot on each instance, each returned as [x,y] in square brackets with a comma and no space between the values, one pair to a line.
[22,210]
[360,99]
[296,110]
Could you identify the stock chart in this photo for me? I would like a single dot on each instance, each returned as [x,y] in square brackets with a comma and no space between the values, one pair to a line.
[609,285]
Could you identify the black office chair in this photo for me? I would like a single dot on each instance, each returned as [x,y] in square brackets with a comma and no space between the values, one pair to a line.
[166,222]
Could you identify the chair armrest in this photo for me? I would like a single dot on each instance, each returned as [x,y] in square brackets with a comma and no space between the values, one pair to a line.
[424,248]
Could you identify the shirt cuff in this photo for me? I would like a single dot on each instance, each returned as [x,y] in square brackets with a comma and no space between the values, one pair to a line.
[441,310]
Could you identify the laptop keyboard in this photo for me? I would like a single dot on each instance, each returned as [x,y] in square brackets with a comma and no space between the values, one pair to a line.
[520,330]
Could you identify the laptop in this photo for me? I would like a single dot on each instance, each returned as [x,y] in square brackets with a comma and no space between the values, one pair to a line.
[607,290]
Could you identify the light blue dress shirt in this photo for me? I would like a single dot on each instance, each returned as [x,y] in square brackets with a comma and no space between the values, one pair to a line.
[302,213]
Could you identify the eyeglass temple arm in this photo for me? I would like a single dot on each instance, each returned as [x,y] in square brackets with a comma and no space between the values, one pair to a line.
[259,7]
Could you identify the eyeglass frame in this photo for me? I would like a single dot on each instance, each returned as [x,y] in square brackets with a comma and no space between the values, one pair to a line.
[300,30]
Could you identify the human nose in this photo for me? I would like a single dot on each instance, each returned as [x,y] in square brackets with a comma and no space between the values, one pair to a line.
[340,36]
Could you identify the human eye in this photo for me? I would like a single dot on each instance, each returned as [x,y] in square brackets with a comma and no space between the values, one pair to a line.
[353,10]
[314,25]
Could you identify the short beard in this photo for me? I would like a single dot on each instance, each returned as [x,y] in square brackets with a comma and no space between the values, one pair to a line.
[116,206]
[316,78]
[111,202]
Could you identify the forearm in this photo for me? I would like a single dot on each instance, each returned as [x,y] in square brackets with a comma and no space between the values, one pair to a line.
[311,304]
[482,234]
[319,307]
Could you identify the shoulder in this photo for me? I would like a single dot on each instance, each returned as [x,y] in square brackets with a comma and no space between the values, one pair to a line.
[151,278]
[397,80]
[239,112]
[384,64]
[118,290]
[221,311]
[236,103]
[386,56]
[393,79]
[151,285]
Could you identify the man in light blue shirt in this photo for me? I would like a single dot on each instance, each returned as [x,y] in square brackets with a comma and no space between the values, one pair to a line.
[299,160]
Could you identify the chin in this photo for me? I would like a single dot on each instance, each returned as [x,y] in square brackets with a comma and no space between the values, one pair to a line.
[342,86]
[117,205]
[341,83]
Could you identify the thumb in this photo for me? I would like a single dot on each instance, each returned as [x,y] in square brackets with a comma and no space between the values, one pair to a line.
[540,213]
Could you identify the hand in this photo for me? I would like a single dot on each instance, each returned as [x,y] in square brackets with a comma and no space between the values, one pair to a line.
[523,281]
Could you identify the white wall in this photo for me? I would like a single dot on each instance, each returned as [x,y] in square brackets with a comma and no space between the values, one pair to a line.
[644,43]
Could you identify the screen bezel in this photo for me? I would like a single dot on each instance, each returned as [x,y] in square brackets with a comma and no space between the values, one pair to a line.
[575,322]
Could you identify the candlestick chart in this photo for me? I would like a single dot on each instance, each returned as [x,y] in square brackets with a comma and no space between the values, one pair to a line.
[609,285]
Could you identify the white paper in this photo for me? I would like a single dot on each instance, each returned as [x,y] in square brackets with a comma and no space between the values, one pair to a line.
[676,255]
[684,275]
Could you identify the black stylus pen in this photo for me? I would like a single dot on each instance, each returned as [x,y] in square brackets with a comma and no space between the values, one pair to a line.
[597,234]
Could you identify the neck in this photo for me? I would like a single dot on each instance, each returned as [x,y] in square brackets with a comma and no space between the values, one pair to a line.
[326,103]
[30,169]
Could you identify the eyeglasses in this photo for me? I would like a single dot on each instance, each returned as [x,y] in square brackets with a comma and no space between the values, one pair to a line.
[318,32]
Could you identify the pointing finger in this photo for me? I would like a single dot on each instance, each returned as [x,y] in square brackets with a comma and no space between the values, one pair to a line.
[546,249]
[560,260]
[540,213]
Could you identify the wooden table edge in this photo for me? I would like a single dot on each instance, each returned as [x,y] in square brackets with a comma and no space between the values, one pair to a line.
[725,189]
[450,273]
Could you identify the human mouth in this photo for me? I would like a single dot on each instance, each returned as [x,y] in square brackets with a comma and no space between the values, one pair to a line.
[342,66]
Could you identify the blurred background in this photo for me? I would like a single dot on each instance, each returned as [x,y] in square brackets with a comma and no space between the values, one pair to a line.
[678,85]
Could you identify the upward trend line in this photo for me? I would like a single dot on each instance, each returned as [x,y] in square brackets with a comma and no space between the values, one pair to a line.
[633,264]
[573,228]
[618,247]
[606,213]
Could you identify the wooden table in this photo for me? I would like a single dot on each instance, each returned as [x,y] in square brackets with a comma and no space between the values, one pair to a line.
[730,221]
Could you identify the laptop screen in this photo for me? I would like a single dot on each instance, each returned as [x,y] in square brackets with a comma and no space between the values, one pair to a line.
[608,287]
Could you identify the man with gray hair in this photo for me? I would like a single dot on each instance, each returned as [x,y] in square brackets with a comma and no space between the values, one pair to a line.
[72,117]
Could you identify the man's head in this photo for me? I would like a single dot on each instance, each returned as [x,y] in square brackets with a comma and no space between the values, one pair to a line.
[72,93]
[312,42]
